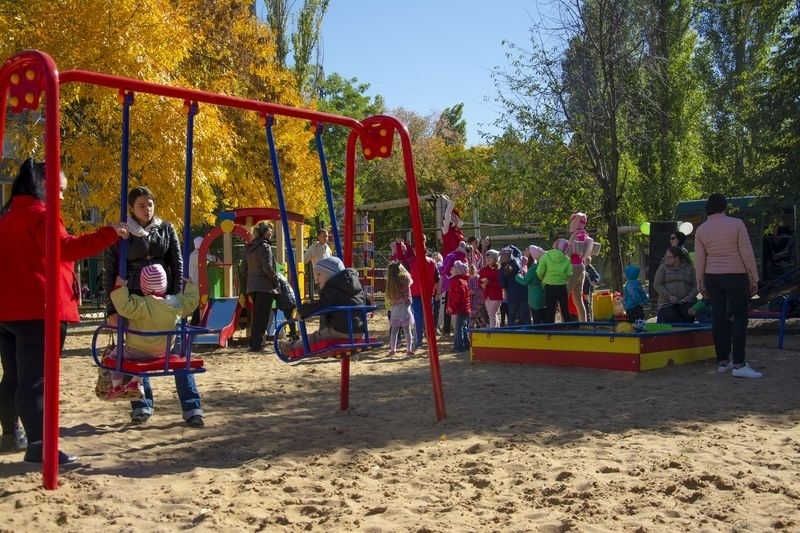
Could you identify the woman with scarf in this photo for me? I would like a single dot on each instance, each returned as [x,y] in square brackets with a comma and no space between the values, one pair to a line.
[152,241]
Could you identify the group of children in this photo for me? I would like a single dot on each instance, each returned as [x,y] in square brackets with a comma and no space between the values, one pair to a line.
[532,284]
[476,287]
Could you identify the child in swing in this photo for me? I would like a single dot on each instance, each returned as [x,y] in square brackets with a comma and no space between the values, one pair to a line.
[155,311]
[338,286]
[398,294]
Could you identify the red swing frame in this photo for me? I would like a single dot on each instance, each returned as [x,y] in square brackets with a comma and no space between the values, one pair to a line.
[31,76]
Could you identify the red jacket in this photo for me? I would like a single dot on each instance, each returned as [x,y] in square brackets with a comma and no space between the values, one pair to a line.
[416,274]
[493,290]
[22,269]
[458,296]
[451,239]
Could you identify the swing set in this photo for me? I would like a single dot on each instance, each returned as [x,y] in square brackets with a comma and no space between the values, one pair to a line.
[30,79]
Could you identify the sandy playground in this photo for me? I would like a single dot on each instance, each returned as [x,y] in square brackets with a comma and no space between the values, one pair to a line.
[523,448]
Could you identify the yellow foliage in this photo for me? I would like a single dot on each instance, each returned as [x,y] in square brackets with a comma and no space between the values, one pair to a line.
[213,46]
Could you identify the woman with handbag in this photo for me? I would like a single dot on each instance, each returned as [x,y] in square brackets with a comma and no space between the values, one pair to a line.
[152,241]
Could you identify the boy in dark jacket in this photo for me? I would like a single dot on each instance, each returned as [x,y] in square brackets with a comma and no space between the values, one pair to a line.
[516,294]
[339,286]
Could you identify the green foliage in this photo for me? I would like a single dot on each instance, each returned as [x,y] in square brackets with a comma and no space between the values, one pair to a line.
[779,115]
[737,39]
[451,127]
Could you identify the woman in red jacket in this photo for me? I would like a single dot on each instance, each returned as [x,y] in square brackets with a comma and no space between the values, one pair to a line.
[22,284]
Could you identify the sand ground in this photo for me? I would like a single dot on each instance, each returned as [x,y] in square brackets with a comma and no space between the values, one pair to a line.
[523,448]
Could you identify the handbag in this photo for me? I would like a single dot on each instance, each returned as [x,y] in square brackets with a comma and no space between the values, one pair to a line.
[103,384]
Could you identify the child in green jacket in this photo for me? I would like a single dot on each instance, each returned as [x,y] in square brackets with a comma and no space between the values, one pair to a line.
[554,270]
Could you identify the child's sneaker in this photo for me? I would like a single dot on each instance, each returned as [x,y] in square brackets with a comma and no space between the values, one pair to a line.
[116,392]
[134,390]
[14,443]
[284,345]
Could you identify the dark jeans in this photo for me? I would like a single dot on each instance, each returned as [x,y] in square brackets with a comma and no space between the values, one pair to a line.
[519,314]
[675,313]
[537,316]
[437,305]
[729,293]
[446,321]
[262,309]
[555,294]
[188,395]
[635,313]
[419,319]
[22,386]
[460,334]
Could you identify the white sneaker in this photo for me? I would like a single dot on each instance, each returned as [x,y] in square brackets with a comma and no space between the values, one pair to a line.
[745,372]
[725,367]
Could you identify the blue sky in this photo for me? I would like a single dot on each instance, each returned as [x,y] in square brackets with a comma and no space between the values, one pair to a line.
[426,56]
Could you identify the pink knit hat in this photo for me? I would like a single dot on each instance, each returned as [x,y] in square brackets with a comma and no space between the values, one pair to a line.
[460,268]
[561,244]
[577,221]
[153,280]
[536,252]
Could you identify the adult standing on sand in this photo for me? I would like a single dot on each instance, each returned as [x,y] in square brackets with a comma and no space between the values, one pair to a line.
[152,241]
[22,315]
[727,276]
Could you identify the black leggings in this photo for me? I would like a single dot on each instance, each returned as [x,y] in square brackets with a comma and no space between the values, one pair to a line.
[22,386]
[555,295]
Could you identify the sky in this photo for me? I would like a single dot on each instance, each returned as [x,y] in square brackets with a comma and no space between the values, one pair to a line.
[428,55]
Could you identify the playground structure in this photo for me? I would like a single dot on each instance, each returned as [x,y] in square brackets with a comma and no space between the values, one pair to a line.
[220,313]
[373,277]
[31,78]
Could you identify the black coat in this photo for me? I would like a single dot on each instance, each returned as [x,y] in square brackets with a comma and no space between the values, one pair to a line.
[160,246]
[343,288]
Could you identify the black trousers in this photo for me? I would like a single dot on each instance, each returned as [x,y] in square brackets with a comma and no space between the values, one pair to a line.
[22,386]
[262,309]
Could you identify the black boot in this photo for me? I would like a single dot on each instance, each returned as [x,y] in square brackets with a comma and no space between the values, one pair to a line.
[34,455]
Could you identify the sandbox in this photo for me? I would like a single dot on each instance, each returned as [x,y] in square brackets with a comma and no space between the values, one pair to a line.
[593,345]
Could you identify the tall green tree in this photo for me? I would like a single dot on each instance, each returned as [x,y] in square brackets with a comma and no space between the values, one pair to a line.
[779,113]
[297,32]
[737,39]
[305,43]
[451,126]
[347,97]
[585,95]
[665,134]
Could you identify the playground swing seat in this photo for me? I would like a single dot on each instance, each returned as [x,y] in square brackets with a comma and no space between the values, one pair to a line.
[170,363]
[337,348]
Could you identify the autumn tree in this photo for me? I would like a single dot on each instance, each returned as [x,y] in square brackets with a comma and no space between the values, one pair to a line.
[221,50]
[234,54]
